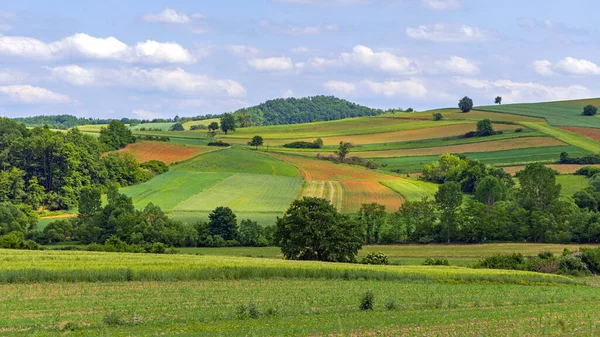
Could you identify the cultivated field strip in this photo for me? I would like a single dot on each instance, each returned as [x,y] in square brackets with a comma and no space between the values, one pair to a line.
[245,193]
[357,193]
[452,113]
[557,114]
[330,190]
[412,190]
[163,151]
[568,137]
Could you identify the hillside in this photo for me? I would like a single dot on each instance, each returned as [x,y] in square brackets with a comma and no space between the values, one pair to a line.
[303,110]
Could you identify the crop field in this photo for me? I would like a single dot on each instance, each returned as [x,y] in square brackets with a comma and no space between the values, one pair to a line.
[412,189]
[453,113]
[314,169]
[560,168]
[568,137]
[517,157]
[246,193]
[557,114]
[91,128]
[171,188]
[571,184]
[234,160]
[330,190]
[358,192]
[206,122]
[496,145]
[162,126]
[592,133]
[165,152]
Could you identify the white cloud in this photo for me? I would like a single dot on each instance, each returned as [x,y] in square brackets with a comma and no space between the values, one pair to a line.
[28,94]
[441,4]
[458,65]
[287,93]
[89,47]
[567,66]
[271,64]
[168,16]
[298,30]
[365,57]
[168,80]
[301,50]
[448,33]
[524,91]
[401,89]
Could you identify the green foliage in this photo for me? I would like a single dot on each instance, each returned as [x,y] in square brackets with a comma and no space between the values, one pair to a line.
[316,144]
[588,171]
[377,258]
[13,219]
[251,234]
[213,126]
[434,261]
[199,127]
[62,122]
[489,190]
[484,128]
[538,188]
[465,104]
[372,217]
[312,229]
[498,100]
[343,150]
[155,166]
[565,158]
[367,302]
[437,116]
[115,136]
[228,123]
[448,199]
[256,141]
[304,110]
[589,110]
[595,182]
[218,143]
[124,169]
[177,127]
[223,222]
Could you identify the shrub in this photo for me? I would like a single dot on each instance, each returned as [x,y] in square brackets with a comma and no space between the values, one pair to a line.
[436,262]
[391,304]
[515,261]
[585,160]
[519,130]
[375,258]
[156,166]
[367,301]
[253,311]
[591,257]
[588,171]
[316,144]
[437,116]
[572,265]
[218,143]
[113,319]
[589,110]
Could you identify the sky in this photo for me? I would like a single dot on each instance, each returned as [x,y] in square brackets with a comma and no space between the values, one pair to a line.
[154,59]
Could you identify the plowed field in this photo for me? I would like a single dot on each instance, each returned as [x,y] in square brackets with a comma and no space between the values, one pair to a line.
[165,152]
[357,193]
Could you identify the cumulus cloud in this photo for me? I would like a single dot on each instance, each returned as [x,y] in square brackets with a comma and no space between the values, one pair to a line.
[89,47]
[168,16]
[298,30]
[389,89]
[28,94]
[441,4]
[566,66]
[271,64]
[458,65]
[168,80]
[287,93]
[365,57]
[448,33]
[524,91]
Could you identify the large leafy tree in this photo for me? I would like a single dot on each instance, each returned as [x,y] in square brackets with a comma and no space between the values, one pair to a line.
[465,104]
[484,128]
[498,100]
[343,150]
[448,199]
[256,141]
[115,136]
[227,123]
[312,229]
[490,190]
[372,217]
[539,189]
[589,110]
[223,222]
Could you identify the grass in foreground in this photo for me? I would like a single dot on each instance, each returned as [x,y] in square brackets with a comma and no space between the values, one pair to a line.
[297,308]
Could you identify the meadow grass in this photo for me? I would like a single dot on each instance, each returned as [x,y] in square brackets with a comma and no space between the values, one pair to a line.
[235,160]
[74,266]
[162,126]
[571,183]
[557,113]
[412,189]
[566,136]
[246,193]
[171,188]
[288,307]
[206,122]
[549,154]
[473,115]
[330,190]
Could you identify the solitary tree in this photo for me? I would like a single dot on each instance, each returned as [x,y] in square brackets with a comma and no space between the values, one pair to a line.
[214,126]
[223,222]
[343,150]
[256,142]
[227,123]
[484,128]
[589,110]
[465,104]
[177,127]
[448,199]
[498,100]
[437,116]
[312,229]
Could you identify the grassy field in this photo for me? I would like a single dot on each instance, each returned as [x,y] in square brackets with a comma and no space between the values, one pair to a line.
[473,115]
[557,113]
[568,137]
[330,190]
[571,184]
[592,133]
[561,168]
[235,160]
[162,126]
[412,189]
[206,122]
[246,193]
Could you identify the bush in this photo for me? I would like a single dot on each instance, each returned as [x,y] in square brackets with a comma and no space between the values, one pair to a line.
[437,116]
[591,257]
[589,110]
[317,144]
[112,319]
[586,160]
[436,262]
[368,301]
[514,261]
[391,304]
[218,143]
[378,258]
[156,166]
[588,171]
[519,130]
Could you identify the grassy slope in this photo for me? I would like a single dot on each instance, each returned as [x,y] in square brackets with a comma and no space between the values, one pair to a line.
[571,184]
[566,136]
[412,189]
[162,126]
[557,114]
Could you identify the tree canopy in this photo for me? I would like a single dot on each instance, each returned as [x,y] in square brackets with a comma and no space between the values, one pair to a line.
[227,123]
[465,104]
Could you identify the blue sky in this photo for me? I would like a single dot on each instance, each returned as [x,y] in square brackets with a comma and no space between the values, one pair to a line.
[152,59]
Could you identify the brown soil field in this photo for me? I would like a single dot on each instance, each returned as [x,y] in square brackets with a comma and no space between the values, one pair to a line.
[165,152]
[561,168]
[357,193]
[591,133]
[314,169]
[497,145]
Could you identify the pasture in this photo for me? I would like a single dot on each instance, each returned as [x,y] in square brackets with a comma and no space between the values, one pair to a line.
[147,126]
[455,113]
[557,113]
[412,189]
[571,184]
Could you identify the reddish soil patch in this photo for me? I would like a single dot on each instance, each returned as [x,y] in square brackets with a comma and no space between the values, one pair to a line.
[357,193]
[591,133]
[165,152]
